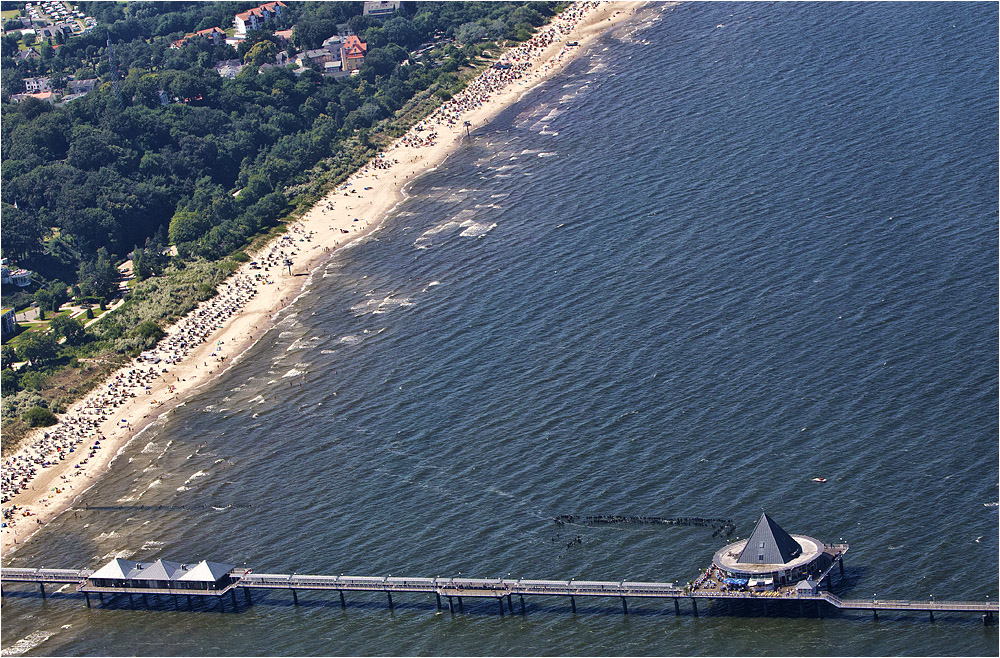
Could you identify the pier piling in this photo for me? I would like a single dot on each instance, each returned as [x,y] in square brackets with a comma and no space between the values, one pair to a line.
[521,596]
[232,595]
[677,607]
[460,606]
[295,597]
[101,597]
[343,602]
[572,604]
[87,597]
[694,606]
[246,595]
[510,603]
[500,601]
[624,606]
[931,613]
[438,599]
[177,606]
[41,588]
[451,606]
[389,594]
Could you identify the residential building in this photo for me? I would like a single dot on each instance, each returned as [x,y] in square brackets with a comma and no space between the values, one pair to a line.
[319,57]
[214,34]
[334,43]
[32,85]
[18,277]
[9,324]
[380,9]
[256,18]
[352,53]
[82,86]
[229,68]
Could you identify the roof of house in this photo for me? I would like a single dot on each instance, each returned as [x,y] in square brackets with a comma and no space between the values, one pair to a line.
[206,571]
[354,48]
[117,568]
[769,544]
[160,570]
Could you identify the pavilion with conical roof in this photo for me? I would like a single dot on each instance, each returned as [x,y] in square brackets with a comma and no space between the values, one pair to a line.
[770,555]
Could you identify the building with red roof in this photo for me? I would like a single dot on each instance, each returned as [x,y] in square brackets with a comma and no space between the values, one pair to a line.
[352,53]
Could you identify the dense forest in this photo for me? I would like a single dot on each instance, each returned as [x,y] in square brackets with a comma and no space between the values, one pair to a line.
[166,151]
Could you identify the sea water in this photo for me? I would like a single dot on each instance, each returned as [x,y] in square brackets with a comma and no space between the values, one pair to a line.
[733,248]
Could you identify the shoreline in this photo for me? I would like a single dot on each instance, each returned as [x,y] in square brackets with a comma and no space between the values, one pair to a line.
[223,328]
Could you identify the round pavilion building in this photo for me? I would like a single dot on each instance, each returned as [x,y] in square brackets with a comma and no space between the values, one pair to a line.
[772,557]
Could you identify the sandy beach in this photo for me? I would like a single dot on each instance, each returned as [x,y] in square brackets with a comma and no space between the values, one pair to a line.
[81,448]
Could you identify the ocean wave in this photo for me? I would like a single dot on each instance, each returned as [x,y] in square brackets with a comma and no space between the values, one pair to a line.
[26,644]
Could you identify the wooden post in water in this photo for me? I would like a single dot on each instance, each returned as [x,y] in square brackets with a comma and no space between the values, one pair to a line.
[41,588]
[295,597]
[510,604]
[145,601]
[931,612]
[438,599]
[624,606]
[131,601]
[451,605]
[875,614]
[500,601]
[101,597]
[246,595]
[176,605]
[460,606]
[572,604]
[677,606]
[87,597]
[694,606]
[521,596]
[343,603]
[232,595]
[389,594]
[189,600]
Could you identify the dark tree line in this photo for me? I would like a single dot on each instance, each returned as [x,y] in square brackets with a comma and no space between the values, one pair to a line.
[185,156]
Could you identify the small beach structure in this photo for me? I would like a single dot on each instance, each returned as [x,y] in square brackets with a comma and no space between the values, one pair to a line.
[772,557]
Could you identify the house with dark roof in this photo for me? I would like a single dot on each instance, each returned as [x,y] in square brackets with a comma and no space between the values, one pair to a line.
[206,578]
[771,557]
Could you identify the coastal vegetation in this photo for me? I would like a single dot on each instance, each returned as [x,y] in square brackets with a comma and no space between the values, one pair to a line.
[181,171]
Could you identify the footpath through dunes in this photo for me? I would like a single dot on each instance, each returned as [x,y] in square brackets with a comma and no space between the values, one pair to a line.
[57,464]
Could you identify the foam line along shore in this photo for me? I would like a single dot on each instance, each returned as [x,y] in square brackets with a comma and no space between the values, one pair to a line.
[55,465]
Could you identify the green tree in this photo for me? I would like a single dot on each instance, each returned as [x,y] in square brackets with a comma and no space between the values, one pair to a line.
[38,347]
[39,417]
[7,356]
[186,226]
[69,328]
[261,53]
[99,278]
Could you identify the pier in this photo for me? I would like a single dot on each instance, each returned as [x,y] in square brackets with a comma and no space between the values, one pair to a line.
[770,567]
[451,592]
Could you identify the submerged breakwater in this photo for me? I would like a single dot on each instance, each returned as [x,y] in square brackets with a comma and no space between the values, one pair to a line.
[731,249]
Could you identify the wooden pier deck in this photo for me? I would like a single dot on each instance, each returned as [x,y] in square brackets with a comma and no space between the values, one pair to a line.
[454,590]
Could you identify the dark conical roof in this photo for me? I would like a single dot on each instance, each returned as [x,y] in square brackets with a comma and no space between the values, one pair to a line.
[769,544]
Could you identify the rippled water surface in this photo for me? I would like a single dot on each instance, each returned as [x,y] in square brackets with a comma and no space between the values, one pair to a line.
[737,248]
